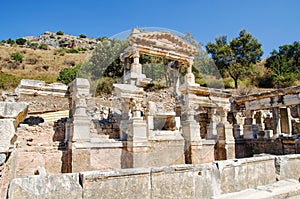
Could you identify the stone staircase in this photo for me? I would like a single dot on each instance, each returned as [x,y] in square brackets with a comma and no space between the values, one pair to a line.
[53,116]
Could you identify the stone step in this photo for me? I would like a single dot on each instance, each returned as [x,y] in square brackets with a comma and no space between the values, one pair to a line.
[53,116]
[288,188]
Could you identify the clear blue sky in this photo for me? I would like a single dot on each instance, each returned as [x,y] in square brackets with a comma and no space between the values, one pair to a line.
[272,22]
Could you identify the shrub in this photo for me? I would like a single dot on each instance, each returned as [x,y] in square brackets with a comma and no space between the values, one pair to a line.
[8,81]
[10,41]
[21,41]
[67,75]
[31,60]
[82,49]
[82,36]
[105,85]
[43,46]
[60,33]
[154,86]
[33,45]
[72,51]
[18,57]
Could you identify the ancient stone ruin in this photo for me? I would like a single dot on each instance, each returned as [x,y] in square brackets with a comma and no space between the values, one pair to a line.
[145,151]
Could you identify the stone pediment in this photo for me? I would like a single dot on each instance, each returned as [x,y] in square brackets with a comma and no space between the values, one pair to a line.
[161,41]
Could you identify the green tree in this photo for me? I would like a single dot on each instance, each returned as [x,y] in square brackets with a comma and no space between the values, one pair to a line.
[10,41]
[284,64]
[82,36]
[104,62]
[21,41]
[67,75]
[17,57]
[235,58]
[60,32]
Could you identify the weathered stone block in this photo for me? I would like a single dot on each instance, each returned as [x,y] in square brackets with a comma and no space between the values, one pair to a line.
[7,132]
[126,183]
[13,110]
[173,182]
[288,166]
[237,175]
[49,186]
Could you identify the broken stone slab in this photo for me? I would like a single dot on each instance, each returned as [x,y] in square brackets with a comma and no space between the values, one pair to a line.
[2,158]
[48,186]
[127,90]
[7,132]
[11,114]
[13,110]
[36,87]
[10,96]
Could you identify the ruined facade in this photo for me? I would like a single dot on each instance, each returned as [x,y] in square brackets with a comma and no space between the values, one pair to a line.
[204,126]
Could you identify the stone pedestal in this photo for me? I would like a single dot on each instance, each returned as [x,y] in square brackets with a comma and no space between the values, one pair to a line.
[137,130]
[80,129]
[237,131]
[248,131]
[81,160]
[268,134]
[229,141]
[193,144]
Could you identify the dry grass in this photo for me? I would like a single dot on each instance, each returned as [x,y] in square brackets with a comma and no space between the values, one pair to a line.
[38,63]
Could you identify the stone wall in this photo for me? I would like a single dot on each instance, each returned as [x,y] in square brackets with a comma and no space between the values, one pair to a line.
[176,181]
[280,146]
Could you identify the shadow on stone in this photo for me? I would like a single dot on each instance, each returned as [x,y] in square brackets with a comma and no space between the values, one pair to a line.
[33,120]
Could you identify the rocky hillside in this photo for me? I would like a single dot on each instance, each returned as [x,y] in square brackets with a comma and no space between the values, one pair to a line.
[41,57]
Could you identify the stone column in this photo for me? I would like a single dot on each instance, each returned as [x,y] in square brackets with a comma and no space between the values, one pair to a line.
[238,127]
[226,143]
[259,120]
[286,122]
[80,121]
[137,124]
[190,77]
[191,134]
[136,67]
[248,124]
[276,122]
[79,134]
[212,126]
[125,119]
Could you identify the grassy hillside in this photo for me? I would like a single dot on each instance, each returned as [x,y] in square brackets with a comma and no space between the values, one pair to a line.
[36,64]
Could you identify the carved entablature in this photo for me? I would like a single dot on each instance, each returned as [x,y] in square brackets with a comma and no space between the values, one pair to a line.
[163,44]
